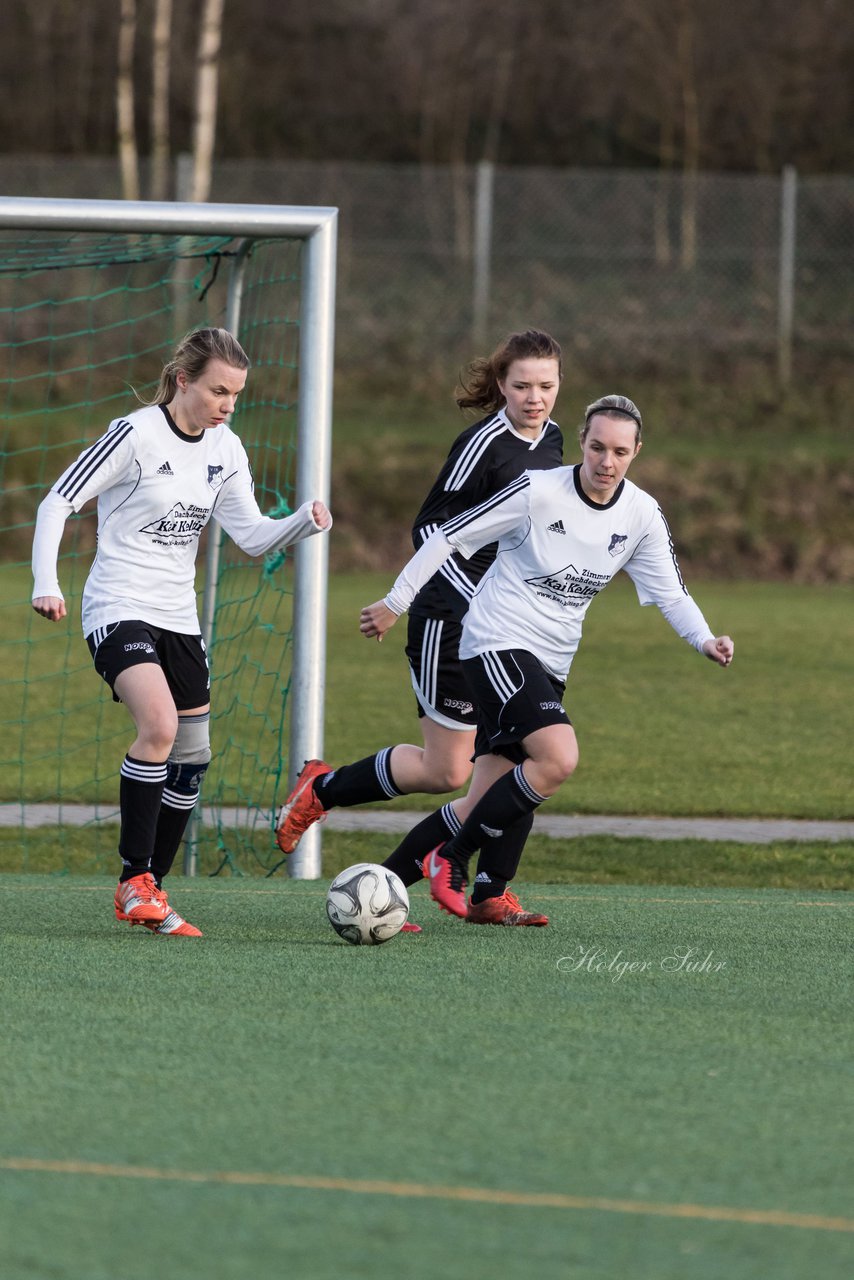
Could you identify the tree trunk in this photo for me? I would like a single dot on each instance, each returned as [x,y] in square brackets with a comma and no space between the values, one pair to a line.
[125,123]
[207,76]
[160,50]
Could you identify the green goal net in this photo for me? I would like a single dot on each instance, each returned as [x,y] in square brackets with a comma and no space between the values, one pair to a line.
[87,319]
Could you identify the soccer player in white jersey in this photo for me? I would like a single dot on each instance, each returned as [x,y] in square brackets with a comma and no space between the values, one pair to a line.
[517,386]
[562,536]
[160,474]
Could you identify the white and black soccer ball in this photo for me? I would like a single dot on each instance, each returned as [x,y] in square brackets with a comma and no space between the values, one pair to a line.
[367,904]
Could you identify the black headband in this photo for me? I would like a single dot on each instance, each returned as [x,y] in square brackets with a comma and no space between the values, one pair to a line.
[613,408]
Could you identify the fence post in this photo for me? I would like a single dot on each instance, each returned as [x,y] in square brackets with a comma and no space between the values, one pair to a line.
[482,250]
[786,285]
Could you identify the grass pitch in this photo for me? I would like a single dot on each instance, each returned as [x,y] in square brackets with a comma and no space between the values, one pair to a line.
[649,1088]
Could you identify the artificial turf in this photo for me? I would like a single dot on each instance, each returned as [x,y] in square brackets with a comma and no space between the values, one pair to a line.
[464,1102]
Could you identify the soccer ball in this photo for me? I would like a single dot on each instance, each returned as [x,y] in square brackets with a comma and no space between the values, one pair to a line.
[367,904]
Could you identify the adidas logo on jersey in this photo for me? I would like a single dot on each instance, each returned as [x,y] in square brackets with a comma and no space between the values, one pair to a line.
[557,527]
[165,470]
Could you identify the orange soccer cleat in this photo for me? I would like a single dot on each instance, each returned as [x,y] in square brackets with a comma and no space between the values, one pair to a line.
[504,910]
[171,924]
[447,886]
[302,807]
[138,900]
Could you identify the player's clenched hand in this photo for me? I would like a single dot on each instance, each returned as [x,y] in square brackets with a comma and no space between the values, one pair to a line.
[719,650]
[52,607]
[320,514]
[376,619]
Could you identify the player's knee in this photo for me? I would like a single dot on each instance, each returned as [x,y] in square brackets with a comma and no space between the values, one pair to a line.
[158,732]
[568,762]
[188,761]
[561,765]
[449,775]
[192,740]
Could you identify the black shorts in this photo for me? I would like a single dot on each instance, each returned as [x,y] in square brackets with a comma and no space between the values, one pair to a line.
[441,689]
[515,696]
[183,659]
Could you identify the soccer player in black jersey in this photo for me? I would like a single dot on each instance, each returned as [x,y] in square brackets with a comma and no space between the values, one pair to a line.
[516,387]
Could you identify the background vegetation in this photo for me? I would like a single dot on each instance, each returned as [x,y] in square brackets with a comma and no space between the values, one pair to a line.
[745,85]
[756,484]
[753,477]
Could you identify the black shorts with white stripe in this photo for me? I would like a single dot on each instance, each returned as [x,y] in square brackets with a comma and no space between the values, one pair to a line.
[515,696]
[433,647]
[183,659]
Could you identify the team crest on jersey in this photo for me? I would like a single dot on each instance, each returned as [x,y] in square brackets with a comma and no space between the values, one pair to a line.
[617,545]
[214,476]
[569,587]
[180,526]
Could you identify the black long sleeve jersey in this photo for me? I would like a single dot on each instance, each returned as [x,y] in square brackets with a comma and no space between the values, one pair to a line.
[483,460]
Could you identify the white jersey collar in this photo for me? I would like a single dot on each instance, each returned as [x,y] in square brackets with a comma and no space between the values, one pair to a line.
[531,441]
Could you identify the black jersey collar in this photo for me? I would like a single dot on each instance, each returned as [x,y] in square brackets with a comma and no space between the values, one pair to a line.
[588,502]
[173,426]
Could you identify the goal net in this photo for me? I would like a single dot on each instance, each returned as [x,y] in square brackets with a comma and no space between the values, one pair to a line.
[94,296]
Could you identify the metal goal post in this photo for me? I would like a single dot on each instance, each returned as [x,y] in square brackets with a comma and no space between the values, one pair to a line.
[316,227]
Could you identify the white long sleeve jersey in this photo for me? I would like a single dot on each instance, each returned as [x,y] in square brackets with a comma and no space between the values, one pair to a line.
[556,551]
[157,488]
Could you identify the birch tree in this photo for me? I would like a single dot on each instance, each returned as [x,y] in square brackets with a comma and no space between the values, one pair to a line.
[125,122]
[160,49]
[207,83]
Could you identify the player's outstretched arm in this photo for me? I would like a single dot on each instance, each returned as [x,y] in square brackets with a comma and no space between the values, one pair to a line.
[720,650]
[376,619]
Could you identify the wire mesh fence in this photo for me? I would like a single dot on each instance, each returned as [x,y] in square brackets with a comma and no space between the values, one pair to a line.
[633,270]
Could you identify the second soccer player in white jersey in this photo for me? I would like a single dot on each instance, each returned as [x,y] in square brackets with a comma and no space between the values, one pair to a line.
[562,536]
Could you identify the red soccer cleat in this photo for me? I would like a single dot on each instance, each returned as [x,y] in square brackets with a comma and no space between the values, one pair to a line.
[171,924]
[504,910]
[447,886]
[302,807]
[138,900]
[410,927]
[174,925]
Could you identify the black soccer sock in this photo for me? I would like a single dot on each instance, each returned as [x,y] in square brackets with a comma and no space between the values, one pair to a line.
[180,795]
[499,859]
[140,793]
[360,783]
[507,800]
[407,859]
